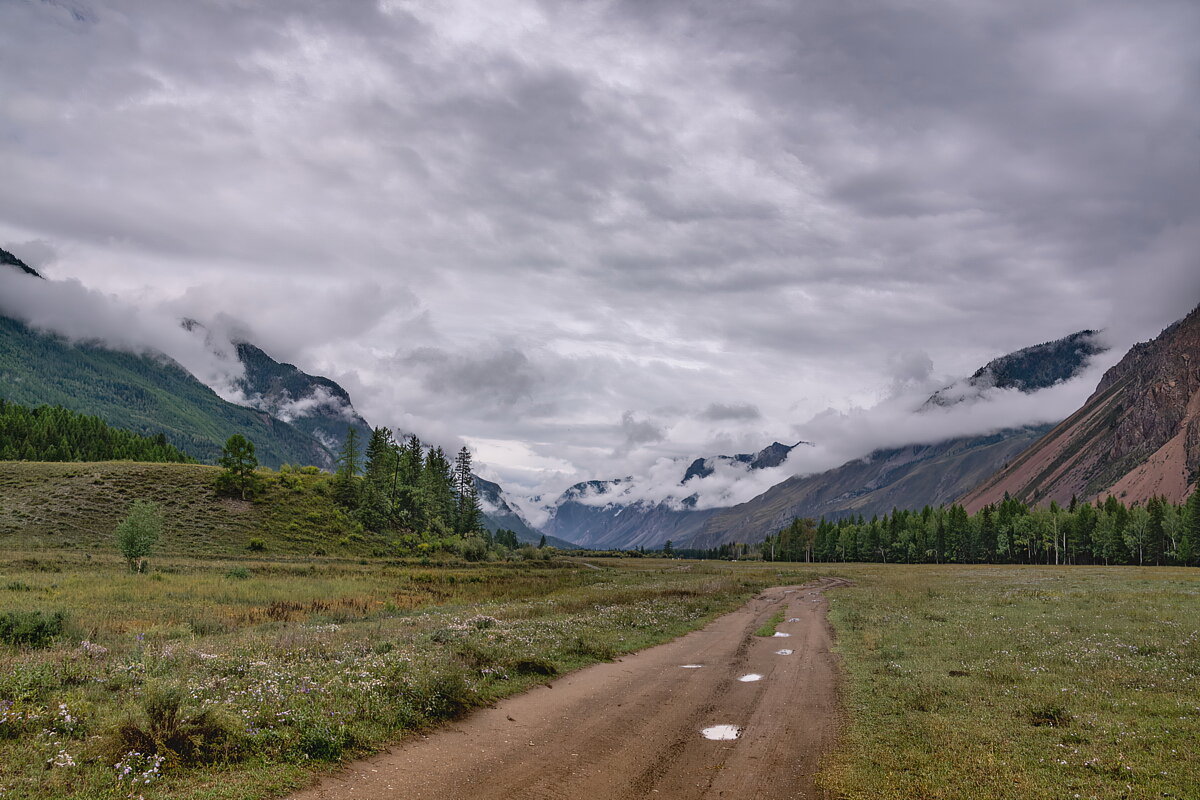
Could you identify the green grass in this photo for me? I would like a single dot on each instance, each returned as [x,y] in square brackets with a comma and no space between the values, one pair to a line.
[291,667]
[78,505]
[768,627]
[1029,682]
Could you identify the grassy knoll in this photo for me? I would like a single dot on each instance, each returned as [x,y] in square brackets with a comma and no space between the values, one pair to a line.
[248,676]
[1018,682]
[74,505]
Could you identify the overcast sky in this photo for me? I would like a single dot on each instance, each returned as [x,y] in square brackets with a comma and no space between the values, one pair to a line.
[584,236]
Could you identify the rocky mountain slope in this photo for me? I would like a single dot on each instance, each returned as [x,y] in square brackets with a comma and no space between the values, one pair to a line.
[313,404]
[1137,436]
[915,475]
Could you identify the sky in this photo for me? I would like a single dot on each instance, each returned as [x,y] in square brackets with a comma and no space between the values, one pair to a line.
[587,238]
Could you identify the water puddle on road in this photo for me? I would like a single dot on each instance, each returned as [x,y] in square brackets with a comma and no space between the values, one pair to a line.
[721,733]
[783,652]
[692,666]
[794,619]
[781,635]
[750,678]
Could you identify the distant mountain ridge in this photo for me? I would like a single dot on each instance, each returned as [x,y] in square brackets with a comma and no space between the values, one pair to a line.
[1137,436]
[622,523]
[918,474]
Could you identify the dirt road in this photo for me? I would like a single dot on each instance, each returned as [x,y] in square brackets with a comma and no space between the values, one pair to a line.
[632,728]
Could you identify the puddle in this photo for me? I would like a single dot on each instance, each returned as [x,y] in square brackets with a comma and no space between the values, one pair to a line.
[783,652]
[794,619]
[781,635]
[721,733]
[692,666]
[750,678]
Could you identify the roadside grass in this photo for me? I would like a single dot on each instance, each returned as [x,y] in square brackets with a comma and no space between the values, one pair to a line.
[768,627]
[1018,682]
[207,683]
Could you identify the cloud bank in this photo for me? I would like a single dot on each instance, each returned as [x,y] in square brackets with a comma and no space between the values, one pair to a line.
[590,236]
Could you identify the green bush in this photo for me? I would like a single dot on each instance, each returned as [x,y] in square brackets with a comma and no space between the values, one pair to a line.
[31,628]
[256,546]
[238,573]
[165,726]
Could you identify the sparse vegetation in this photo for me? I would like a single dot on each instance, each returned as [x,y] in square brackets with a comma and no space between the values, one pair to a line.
[1030,682]
[768,627]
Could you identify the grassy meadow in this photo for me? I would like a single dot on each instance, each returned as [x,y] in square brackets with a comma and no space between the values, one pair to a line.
[1018,682]
[240,674]
[251,675]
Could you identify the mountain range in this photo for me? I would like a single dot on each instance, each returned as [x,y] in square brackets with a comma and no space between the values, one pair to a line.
[1137,436]
[290,415]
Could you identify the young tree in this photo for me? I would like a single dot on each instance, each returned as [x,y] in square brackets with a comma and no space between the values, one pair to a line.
[137,534]
[237,457]
[542,542]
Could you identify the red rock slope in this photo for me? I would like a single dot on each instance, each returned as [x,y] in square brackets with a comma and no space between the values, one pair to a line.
[1138,435]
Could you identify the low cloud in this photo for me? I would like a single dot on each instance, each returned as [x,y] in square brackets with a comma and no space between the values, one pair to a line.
[81,315]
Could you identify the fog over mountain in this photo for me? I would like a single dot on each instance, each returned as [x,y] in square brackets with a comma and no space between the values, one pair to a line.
[597,239]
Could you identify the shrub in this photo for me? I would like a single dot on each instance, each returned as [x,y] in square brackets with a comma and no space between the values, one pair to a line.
[238,573]
[324,742]
[31,628]
[1052,715]
[256,546]
[535,665]
[165,726]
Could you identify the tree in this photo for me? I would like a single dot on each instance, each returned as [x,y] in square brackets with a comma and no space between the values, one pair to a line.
[542,542]
[467,514]
[669,548]
[345,487]
[137,534]
[237,457]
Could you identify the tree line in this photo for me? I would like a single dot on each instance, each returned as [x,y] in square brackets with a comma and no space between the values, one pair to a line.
[53,433]
[1106,532]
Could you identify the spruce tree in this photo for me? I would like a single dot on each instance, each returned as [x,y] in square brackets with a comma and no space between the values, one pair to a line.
[467,514]
[237,457]
[345,483]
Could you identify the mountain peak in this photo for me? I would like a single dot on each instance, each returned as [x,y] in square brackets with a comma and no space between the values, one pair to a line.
[12,261]
[1028,370]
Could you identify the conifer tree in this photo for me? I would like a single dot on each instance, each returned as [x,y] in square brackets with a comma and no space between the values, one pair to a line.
[237,457]
[345,484]
[467,514]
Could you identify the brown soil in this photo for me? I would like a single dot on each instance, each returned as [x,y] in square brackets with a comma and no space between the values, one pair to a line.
[632,728]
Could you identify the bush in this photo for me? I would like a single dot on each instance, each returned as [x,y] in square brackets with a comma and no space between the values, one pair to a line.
[31,628]
[324,743]
[166,727]
[256,546]
[238,573]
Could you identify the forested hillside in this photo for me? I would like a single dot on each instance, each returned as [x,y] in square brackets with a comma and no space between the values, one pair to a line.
[140,393]
[53,433]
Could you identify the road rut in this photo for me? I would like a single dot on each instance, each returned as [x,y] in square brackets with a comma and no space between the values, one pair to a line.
[632,728]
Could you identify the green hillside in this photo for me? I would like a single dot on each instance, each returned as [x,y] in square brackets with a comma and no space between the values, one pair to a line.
[142,394]
[77,506]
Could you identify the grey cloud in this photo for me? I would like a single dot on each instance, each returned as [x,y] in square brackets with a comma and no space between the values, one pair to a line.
[717,412]
[519,220]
